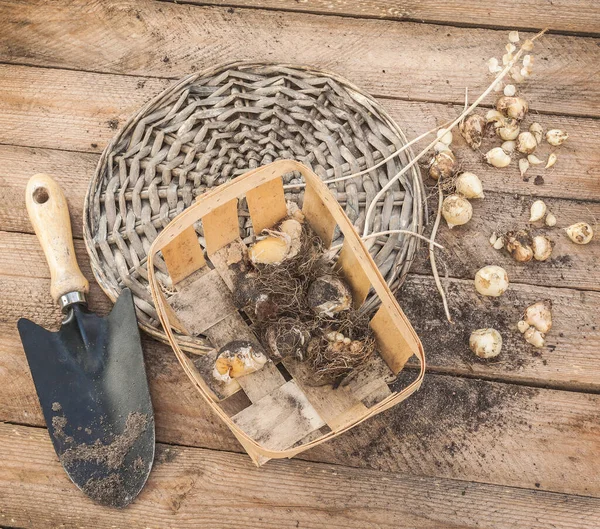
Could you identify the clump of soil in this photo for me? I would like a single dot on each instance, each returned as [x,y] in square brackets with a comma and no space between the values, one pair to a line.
[58,424]
[56,406]
[113,454]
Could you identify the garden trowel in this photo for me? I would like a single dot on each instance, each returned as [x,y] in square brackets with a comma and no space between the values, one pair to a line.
[90,375]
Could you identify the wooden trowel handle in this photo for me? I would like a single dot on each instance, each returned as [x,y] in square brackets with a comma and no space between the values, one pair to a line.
[49,214]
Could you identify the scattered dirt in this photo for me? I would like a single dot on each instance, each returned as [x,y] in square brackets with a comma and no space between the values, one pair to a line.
[445,414]
[447,345]
[113,454]
[113,124]
[58,424]
[56,406]
[107,491]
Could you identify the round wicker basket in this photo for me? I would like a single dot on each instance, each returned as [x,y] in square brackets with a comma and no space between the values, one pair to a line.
[217,124]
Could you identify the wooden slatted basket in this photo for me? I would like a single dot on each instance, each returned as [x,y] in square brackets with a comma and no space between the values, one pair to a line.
[275,412]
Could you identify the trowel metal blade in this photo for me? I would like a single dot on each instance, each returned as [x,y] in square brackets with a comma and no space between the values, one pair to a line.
[92,386]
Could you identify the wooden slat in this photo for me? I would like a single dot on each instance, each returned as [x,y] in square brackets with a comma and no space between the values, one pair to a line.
[192,487]
[266,204]
[348,266]
[391,342]
[280,419]
[337,408]
[221,226]
[407,60]
[569,360]
[318,215]
[203,304]
[183,255]
[572,16]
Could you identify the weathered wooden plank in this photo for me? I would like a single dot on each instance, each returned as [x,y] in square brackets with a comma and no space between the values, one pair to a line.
[38,494]
[280,419]
[32,113]
[570,360]
[570,16]
[483,431]
[453,427]
[203,304]
[388,58]
[337,408]
[467,248]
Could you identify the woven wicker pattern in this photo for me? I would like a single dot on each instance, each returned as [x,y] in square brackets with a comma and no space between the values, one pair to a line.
[217,124]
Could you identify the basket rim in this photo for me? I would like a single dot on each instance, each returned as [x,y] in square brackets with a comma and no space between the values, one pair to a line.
[360,96]
[187,217]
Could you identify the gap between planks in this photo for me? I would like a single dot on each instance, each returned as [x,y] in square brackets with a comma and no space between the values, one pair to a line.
[329,9]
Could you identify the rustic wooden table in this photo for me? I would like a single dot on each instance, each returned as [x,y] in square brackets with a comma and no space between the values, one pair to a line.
[512,443]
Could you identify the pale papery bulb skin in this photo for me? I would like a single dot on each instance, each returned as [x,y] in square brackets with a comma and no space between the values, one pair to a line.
[550,220]
[497,157]
[526,143]
[542,248]
[444,165]
[513,107]
[456,210]
[539,315]
[518,245]
[537,131]
[509,130]
[538,211]
[469,185]
[486,343]
[534,337]
[472,130]
[556,137]
[491,281]
[580,233]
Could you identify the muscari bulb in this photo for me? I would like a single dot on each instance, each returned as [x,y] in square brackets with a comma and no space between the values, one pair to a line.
[538,210]
[556,137]
[526,143]
[509,130]
[491,281]
[456,210]
[469,185]
[542,247]
[580,233]
[497,157]
[443,166]
[538,132]
[513,107]
[539,315]
[551,160]
[485,343]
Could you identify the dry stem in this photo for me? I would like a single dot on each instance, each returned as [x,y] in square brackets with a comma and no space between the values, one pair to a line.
[436,276]
[463,114]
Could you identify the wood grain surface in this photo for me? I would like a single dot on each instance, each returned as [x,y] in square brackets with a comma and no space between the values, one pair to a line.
[388,58]
[569,360]
[580,16]
[191,487]
[72,73]
[453,427]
